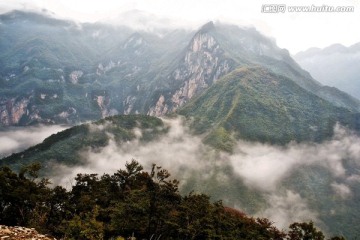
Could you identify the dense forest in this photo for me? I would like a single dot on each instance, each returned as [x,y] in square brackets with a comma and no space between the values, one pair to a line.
[130,203]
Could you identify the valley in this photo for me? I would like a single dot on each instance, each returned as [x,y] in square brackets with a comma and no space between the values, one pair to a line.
[223,108]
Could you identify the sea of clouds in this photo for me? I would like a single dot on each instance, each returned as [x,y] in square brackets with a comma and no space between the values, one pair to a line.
[260,167]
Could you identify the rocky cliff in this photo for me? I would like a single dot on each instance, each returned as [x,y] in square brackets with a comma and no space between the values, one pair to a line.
[56,72]
[13,109]
[202,63]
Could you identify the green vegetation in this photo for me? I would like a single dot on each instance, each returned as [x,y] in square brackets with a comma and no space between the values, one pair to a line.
[41,57]
[68,74]
[64,146]
[252,103]
[130,202]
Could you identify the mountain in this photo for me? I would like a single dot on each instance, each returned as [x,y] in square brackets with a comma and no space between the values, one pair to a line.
[64,147]
[257,105]
[325,191]
[250,102]
[56,71]
[260,132]
[335,66]
[43,59]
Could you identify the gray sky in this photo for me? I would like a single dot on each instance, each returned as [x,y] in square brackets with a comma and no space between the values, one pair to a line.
[294,31]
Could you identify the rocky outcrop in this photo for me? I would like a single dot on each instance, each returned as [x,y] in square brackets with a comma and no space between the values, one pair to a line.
[161,108]
[101,99]
[12,110]
[20,233]
[143,72]
[25,110]
[203,63]
[102,102]
[74,76]
[102,69]
[68,113]
[129,104]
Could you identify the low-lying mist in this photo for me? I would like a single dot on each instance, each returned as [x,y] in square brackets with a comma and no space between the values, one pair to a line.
[16,139]
[256,169]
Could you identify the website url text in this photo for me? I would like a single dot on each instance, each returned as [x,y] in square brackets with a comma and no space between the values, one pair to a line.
[282,8]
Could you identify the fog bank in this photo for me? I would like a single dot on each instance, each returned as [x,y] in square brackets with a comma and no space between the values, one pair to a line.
[260,167]
[16,139]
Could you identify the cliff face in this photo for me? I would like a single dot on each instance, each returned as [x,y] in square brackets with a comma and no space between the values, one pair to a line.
[69,75]
[203,63]
[25,110]
[13,109]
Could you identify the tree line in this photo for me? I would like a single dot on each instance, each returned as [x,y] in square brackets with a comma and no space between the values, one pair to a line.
[128,204]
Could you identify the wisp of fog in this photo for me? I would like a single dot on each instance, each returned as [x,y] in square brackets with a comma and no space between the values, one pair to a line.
[260,167]
[16,139]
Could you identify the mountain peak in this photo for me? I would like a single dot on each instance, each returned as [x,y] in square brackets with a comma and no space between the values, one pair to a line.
[208,27]
[355,47]
[308,52]
[335,48]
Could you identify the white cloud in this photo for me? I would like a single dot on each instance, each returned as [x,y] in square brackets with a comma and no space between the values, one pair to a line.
[8,145]
[18,138]
[294,31]
[260,166]
[288,208]
[263,166]
[341,190]
[178,152]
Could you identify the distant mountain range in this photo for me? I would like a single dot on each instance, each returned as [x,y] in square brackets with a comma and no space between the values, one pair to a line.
[336,66]
[55,71]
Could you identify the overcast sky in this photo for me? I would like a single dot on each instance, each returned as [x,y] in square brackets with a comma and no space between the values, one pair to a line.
[294,31]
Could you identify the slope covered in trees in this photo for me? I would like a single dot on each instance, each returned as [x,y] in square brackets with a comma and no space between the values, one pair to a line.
[63,147]
[130,202]
[250,103]
[55,71]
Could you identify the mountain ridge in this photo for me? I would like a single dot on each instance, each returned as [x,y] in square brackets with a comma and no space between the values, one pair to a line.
[250,101]
[62,151]
[335,66]
[94,76]
[259,130]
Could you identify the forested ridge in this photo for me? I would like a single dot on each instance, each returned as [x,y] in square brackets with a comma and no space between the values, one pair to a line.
[128,203]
